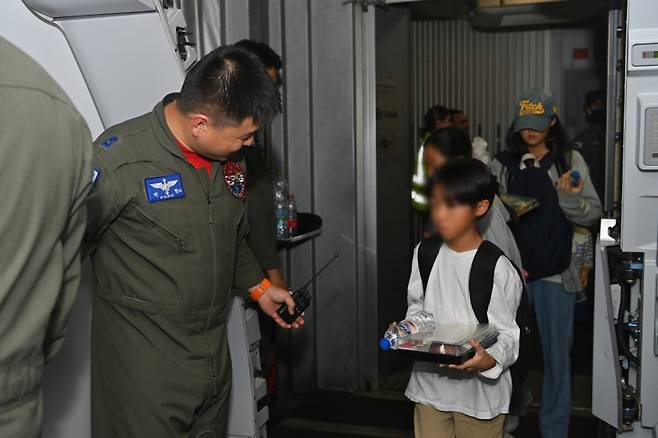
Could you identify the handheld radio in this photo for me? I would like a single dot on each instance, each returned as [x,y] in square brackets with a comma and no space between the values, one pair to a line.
[302,297]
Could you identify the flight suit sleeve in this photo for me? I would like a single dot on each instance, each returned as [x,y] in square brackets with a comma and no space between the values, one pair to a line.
[71,246]
[262,234]
[103,202]
[247,271]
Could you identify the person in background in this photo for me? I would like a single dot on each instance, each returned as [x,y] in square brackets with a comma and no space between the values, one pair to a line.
[262,234]
[539,163]
[167,239]
[468,400]
[591,142]
[46,174]
[436,117]
[583,257]
[270,59]
[447,144]
[479,145]
[262,229]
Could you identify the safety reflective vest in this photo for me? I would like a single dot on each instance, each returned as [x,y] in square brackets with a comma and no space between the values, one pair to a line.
[419,198]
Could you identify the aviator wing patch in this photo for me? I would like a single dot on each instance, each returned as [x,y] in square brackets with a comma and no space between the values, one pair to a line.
[163,188]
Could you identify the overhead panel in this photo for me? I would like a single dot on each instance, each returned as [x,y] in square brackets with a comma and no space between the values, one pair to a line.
[78,8]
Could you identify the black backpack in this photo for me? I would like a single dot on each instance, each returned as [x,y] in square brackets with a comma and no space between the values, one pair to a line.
[480,285]
[544,235]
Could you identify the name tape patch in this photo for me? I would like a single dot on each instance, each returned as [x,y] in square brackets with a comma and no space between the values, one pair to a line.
[109,141]
[163,188]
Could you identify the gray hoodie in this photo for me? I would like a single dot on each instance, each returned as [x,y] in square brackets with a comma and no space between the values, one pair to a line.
[583,208]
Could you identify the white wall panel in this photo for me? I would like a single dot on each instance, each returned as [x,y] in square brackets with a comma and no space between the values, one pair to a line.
[480,72]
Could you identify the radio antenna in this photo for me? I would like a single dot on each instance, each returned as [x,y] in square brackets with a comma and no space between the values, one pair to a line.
[317,274]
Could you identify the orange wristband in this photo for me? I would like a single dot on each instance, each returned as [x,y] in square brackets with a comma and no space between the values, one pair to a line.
[259,290]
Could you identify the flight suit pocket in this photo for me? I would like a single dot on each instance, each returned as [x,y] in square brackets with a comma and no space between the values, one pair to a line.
[168,232]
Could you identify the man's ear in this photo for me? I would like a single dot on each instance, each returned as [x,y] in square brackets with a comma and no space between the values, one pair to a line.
[482,207]
[199,123]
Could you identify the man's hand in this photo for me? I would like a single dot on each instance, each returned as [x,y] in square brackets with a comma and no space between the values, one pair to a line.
[270,301]
[564,184]
[482,360]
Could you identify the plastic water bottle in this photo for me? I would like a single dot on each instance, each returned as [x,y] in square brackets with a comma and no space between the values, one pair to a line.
[416,323]
[575,178]
[281,219]
[280,190]
[292,216]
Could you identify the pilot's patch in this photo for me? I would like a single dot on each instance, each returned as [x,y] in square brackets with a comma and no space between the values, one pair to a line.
[109,141]
[162,188]
[235,179]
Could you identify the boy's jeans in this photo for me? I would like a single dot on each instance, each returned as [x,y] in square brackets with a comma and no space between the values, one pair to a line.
[553,307]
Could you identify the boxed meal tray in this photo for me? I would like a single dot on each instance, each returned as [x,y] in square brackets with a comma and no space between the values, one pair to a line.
[448,343]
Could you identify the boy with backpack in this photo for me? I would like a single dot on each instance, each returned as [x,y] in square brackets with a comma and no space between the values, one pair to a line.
[450,280]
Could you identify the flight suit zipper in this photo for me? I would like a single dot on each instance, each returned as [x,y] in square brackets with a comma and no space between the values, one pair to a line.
[213,374]
[208,189]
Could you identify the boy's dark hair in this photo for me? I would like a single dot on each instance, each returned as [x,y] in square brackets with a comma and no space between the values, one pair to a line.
[592,96]
[451,143]
[229,84]
[432,115]
[556,141]
[466,181]
[268,57]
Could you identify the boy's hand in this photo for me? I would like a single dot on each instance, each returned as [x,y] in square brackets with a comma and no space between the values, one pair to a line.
[482,360]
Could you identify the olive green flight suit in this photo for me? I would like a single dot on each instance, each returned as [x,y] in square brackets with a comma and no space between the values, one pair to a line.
[167,245]
[45,175]
[262,231]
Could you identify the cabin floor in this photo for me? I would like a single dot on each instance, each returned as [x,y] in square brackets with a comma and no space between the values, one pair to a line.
[386,413]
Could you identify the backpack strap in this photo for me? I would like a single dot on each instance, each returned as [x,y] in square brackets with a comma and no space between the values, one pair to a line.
[481,278]
[428,251]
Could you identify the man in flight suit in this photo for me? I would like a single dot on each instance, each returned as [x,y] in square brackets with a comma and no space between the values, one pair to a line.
[166,232]
[45,175]
[262,231]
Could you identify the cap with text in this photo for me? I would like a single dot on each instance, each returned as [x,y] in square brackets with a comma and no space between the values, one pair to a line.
[535,109]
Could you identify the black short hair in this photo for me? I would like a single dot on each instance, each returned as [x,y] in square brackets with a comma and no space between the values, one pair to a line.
[268,57]
[451,143]
[229,85]
[592,96]
[435,113]
[466,181]
[455,111]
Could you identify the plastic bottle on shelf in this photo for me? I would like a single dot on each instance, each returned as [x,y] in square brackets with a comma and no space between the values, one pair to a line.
[292,216]
[280,189]
[418,322]
[281,219]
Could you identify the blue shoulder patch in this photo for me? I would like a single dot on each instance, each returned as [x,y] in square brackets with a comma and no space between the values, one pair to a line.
[109,141]
[162,188]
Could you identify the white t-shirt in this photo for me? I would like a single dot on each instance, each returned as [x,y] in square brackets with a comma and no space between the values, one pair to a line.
[487,394]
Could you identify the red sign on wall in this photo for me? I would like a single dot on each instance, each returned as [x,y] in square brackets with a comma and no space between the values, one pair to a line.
[581,53]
